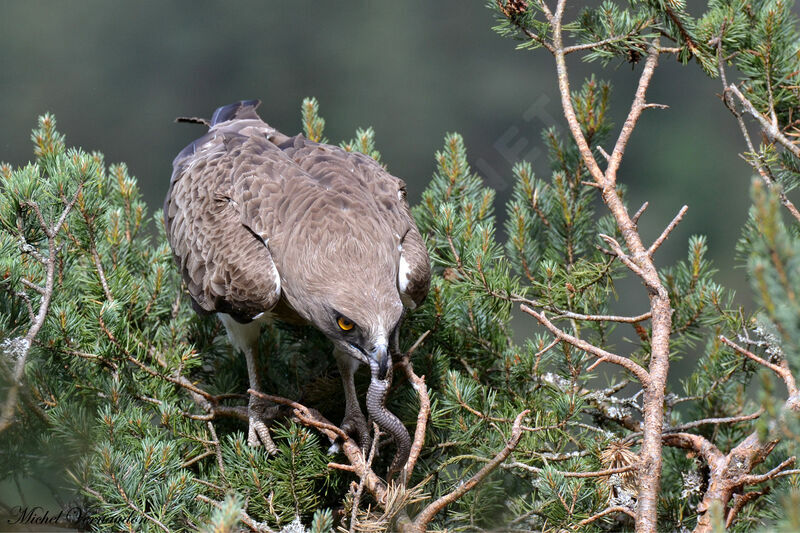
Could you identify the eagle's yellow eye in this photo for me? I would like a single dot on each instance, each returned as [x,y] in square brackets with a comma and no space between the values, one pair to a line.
[345,324]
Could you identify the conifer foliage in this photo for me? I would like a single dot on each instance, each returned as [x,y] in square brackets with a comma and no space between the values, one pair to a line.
[124,402]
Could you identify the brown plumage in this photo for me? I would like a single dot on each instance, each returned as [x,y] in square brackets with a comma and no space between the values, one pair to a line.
[265,225]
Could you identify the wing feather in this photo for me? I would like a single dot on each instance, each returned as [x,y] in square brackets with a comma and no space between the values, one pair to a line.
[226,267]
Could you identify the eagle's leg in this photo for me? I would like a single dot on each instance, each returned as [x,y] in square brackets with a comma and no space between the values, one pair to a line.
[354,423]
[244,337]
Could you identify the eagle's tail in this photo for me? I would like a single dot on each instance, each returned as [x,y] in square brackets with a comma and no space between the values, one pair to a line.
[240,109]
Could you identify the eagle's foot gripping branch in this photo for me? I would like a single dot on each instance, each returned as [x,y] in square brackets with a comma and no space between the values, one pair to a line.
[259,413]
[355,425]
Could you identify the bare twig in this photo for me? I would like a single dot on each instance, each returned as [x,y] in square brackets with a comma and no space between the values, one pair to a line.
[695,443]
[598,473]
[605,512]
[422,415]
[758,163]
[423,519]
[349,446]
[635,112]
[655,379]
[217,447]
[625,258]
[101,273]
[770,129]
[639,213]
[604,318]
[661,238]
[740,500]
[360,490]
[715,421]
[782,371]
[751,479]
[624,362]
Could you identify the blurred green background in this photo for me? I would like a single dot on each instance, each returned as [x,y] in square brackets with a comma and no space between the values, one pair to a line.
[116,74]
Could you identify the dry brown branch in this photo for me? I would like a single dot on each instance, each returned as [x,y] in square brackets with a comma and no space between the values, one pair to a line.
[640,212]
[654,380]
[422,415]
[726,476]
[423,519]
[604,512]
[598,473]
[616,248]
[339,466]
[758,162]
[357,497]
[695,443]
[217,447]
[769,128]
[101,274]
[603,355]
[635,112]
[547,348]
[729,473]
[751,479]
[740,500]
[663,237]
[781,370]
[603,318]
[720,420]
[538,39]
[351,450]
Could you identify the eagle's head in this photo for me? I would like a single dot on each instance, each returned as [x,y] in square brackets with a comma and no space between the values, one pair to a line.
[348,289]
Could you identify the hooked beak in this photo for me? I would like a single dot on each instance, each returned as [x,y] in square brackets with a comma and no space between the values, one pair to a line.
[381,356]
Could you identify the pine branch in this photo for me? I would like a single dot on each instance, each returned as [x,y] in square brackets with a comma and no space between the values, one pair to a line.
[24,344]
[254,525]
